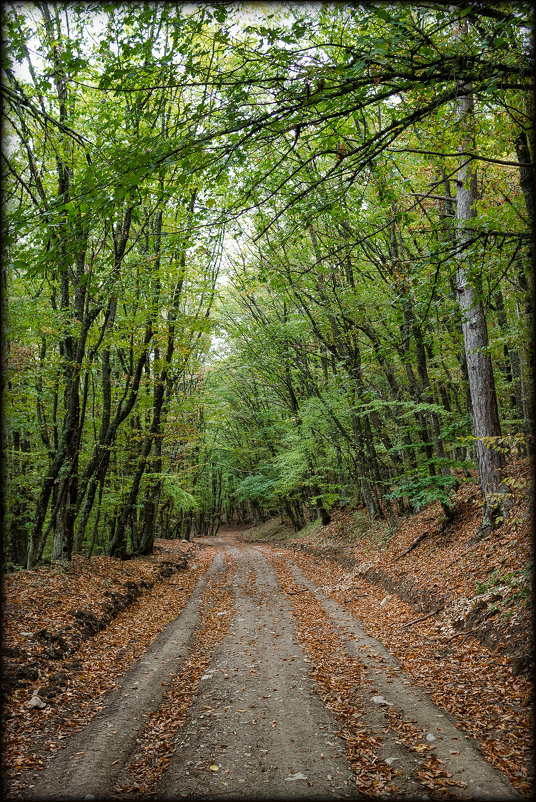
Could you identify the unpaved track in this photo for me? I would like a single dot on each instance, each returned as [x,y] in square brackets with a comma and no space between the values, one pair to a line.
[94,757]
[387,679]
[257,728]
[267,725]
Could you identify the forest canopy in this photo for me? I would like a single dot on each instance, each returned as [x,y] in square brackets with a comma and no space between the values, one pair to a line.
[261,259]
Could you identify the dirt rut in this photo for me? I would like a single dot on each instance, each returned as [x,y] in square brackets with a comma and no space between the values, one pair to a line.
[257,720]
[88,766]
[258,728]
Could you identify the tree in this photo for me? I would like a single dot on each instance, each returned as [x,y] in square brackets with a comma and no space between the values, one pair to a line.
[475,334]
[324,144]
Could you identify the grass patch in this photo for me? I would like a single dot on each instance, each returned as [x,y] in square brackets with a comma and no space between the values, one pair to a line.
[274,531]
[311,529]
[356,528]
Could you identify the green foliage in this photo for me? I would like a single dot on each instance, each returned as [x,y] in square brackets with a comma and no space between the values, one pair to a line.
[256,488]
[308,156]
[422,488]
[519,580]
[182,500]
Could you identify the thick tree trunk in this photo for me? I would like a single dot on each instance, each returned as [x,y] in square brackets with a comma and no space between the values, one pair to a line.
[67,451]
[150,511]
[486,424]
[19,509]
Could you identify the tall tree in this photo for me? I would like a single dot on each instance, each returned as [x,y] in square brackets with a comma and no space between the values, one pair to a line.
[485,412]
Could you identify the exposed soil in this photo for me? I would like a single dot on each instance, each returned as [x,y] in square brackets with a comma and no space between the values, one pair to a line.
[247,675]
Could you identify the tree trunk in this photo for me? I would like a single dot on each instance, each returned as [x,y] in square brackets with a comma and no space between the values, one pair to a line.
[19,509]
[486,424]
[511,360]
[526,173]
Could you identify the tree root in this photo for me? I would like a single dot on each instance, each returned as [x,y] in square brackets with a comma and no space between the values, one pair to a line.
[459,634]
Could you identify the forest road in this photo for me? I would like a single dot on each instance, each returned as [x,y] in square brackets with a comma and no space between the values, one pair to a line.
[257,727]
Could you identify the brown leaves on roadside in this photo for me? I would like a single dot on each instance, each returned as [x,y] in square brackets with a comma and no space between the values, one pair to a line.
[157,742]
[41,599]
[471,681]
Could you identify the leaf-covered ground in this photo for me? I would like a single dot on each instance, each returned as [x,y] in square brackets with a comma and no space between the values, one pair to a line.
[473,647]
[49,648]
[455,611]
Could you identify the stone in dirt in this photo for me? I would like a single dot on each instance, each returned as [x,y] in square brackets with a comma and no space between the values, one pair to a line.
[384,601]
[35,703]
[379,700]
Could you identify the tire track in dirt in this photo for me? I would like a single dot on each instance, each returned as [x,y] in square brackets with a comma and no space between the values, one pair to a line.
[93,758]
[155,745]
[406,729]
[257,730]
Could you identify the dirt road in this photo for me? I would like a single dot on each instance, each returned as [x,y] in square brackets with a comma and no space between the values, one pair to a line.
[238,699]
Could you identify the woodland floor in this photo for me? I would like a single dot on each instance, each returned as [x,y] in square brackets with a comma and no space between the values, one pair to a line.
[261,664]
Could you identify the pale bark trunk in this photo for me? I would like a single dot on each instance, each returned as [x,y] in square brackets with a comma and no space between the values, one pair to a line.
[475,335]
